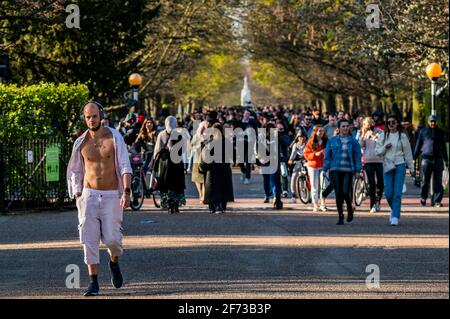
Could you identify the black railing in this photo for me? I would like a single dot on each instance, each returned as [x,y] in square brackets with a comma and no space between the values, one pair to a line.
[32,175]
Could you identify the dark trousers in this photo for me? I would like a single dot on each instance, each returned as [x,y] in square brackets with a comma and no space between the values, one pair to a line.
[432,168]
[342,183]
[284,183]
[246,169]
[376,184]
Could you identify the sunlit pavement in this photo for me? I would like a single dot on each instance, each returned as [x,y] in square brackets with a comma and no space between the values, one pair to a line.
[252,251]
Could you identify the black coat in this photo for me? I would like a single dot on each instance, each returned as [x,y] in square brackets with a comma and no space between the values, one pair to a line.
[170,174]
[218,179]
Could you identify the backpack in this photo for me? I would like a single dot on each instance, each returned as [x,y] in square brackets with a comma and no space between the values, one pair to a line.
[162,156]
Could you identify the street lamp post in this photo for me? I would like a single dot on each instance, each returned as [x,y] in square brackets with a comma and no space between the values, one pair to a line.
[135,81]
[433,71]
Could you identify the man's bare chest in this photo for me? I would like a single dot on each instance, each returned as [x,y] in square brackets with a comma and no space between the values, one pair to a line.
[98,151]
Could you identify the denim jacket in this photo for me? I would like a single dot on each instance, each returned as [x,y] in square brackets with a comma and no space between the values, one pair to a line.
[75,168]
[333,153]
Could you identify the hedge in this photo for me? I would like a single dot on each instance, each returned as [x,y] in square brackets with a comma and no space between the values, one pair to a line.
[44,110]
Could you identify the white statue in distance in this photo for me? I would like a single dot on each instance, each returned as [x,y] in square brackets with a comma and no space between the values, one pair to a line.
[246,99]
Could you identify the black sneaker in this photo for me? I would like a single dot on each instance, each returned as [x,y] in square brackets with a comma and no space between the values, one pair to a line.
[92,290]
[341,220]
[350,218]
[116,275]
[423,202]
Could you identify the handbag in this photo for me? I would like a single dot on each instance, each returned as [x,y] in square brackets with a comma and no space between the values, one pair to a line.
[445,177]
[162,155]
[388,164]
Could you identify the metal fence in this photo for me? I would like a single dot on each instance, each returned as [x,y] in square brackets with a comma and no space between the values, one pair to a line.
[33,174]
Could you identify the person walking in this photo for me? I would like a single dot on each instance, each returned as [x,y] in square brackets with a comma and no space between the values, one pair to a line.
[307,127]
[331,127]
[285,142]
[373,164]
[218,179]
[269,177]
[247,123]
[343,160]
[394,145]
[99,178]
[196,144]
[315,154]
[432,150]
[170,174]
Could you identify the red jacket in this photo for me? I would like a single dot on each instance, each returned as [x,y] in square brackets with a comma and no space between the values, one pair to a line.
[310,155]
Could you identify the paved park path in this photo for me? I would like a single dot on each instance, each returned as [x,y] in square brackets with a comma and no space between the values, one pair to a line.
[250,252]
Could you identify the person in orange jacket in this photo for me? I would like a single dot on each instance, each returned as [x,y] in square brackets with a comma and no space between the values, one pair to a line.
[314,154]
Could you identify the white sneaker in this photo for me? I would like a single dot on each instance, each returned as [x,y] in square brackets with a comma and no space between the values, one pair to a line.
[323,208]
[315,209]
[373,210]
[246,181]
[394,221]
[293,200]
[285,194]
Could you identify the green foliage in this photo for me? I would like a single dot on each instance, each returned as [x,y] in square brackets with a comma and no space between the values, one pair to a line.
[101,53]
[41,110]
[214,76]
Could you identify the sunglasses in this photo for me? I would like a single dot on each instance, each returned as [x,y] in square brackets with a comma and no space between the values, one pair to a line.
[392,122]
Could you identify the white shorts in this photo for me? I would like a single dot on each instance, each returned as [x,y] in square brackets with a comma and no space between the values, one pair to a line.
[100,218]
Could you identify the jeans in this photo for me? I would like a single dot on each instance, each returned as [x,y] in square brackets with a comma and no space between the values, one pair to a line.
[270,184]
[376,184]
[342,183]
[435,168]
[393,187]
[316,185]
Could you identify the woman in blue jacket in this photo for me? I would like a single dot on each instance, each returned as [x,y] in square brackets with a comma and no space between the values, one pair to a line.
[343,159]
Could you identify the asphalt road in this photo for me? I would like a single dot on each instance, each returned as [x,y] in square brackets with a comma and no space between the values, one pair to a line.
[250,252]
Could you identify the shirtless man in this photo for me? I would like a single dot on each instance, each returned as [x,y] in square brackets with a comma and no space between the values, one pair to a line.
[99,178]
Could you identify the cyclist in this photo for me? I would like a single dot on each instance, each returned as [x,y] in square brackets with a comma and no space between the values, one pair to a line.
[297,154]
[145,142]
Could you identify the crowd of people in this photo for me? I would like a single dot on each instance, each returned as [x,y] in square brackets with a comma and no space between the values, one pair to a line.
[333,145]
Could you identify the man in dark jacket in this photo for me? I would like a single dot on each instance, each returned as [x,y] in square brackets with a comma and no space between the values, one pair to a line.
[247,122]
[432,148]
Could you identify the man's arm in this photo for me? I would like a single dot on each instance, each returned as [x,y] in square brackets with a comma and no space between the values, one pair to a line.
[126,199]
[419,144]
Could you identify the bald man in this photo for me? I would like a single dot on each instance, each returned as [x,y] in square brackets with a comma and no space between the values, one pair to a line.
[99,178]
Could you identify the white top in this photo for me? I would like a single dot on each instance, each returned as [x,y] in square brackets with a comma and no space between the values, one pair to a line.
[400,152]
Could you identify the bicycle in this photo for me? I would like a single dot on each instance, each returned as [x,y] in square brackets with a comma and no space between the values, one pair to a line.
[143,185]
[360,188]
[300,184]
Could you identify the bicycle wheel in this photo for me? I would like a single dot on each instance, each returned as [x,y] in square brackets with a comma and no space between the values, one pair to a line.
[156,198]
[137,193]
[359,191]
[155,191]
[303,191]
[294,184]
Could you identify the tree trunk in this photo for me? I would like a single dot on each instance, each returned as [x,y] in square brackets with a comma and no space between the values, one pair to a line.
[331,105]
